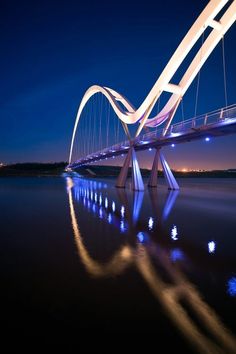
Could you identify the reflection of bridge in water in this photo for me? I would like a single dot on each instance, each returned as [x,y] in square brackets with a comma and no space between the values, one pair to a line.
[211,25]
[178,295]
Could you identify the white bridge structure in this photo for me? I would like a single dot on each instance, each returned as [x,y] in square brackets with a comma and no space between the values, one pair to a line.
[219,16]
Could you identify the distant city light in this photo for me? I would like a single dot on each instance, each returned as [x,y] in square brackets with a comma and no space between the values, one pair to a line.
[232,286]
[172,145]
[174,233]
[211,247]
[207,139]
[113,206]
[150,149]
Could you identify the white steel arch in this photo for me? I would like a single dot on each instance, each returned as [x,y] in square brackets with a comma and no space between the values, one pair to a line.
[131,116]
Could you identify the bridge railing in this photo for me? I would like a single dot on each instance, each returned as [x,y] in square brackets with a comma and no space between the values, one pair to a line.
[186,126]
[191,124]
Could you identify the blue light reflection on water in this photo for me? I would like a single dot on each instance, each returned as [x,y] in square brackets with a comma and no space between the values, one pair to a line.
[232,286]
[122,211]
[142,237]
[89,191]
[176,255]
[122,226]
[211,247]
[106,203]
[109,218]
[100,199]
[174,233]
[150,223]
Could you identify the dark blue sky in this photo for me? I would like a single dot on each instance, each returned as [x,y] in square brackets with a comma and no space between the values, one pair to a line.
[52,51]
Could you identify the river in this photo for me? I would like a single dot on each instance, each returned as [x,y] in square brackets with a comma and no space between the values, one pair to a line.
[79,256]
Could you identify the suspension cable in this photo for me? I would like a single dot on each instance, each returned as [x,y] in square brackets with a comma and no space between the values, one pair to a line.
[87,130]
[118,131]
[182,108]
[158,109]
[108,123]
[84,129]
[94,122]
[224,72]
[100,125]
[90,128]
[114,126]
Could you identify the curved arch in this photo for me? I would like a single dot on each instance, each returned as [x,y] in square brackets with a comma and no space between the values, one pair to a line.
[131,116]
[112,96]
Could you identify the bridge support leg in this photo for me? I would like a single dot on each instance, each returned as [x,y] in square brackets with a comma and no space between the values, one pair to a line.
[170,179]
[137,181]
[153,176]
[124,171]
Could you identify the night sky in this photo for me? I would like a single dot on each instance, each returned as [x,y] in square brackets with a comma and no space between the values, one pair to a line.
[52,51]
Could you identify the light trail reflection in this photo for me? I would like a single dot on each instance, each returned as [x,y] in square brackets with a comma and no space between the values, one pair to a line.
[116,265]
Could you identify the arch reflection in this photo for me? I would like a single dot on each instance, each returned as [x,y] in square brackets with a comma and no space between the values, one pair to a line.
[118,262]
[178,297]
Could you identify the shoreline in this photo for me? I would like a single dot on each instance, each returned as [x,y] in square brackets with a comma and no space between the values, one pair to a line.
[96,171]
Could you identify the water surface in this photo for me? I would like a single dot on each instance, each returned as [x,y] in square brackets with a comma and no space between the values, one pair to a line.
[80,257]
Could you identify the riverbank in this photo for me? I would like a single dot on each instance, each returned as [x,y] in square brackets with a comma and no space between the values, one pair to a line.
[33,169]
[57,169]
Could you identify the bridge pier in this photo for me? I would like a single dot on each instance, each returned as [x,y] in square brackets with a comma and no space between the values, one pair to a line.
[169,177]
[153,176]
[124,171]
[137,181]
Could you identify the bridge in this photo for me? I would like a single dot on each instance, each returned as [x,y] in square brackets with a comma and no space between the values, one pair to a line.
[161,130]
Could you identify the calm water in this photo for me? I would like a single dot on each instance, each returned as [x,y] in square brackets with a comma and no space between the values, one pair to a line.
[81,259]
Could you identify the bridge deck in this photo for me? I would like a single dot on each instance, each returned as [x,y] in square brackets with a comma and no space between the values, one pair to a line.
[214,124]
